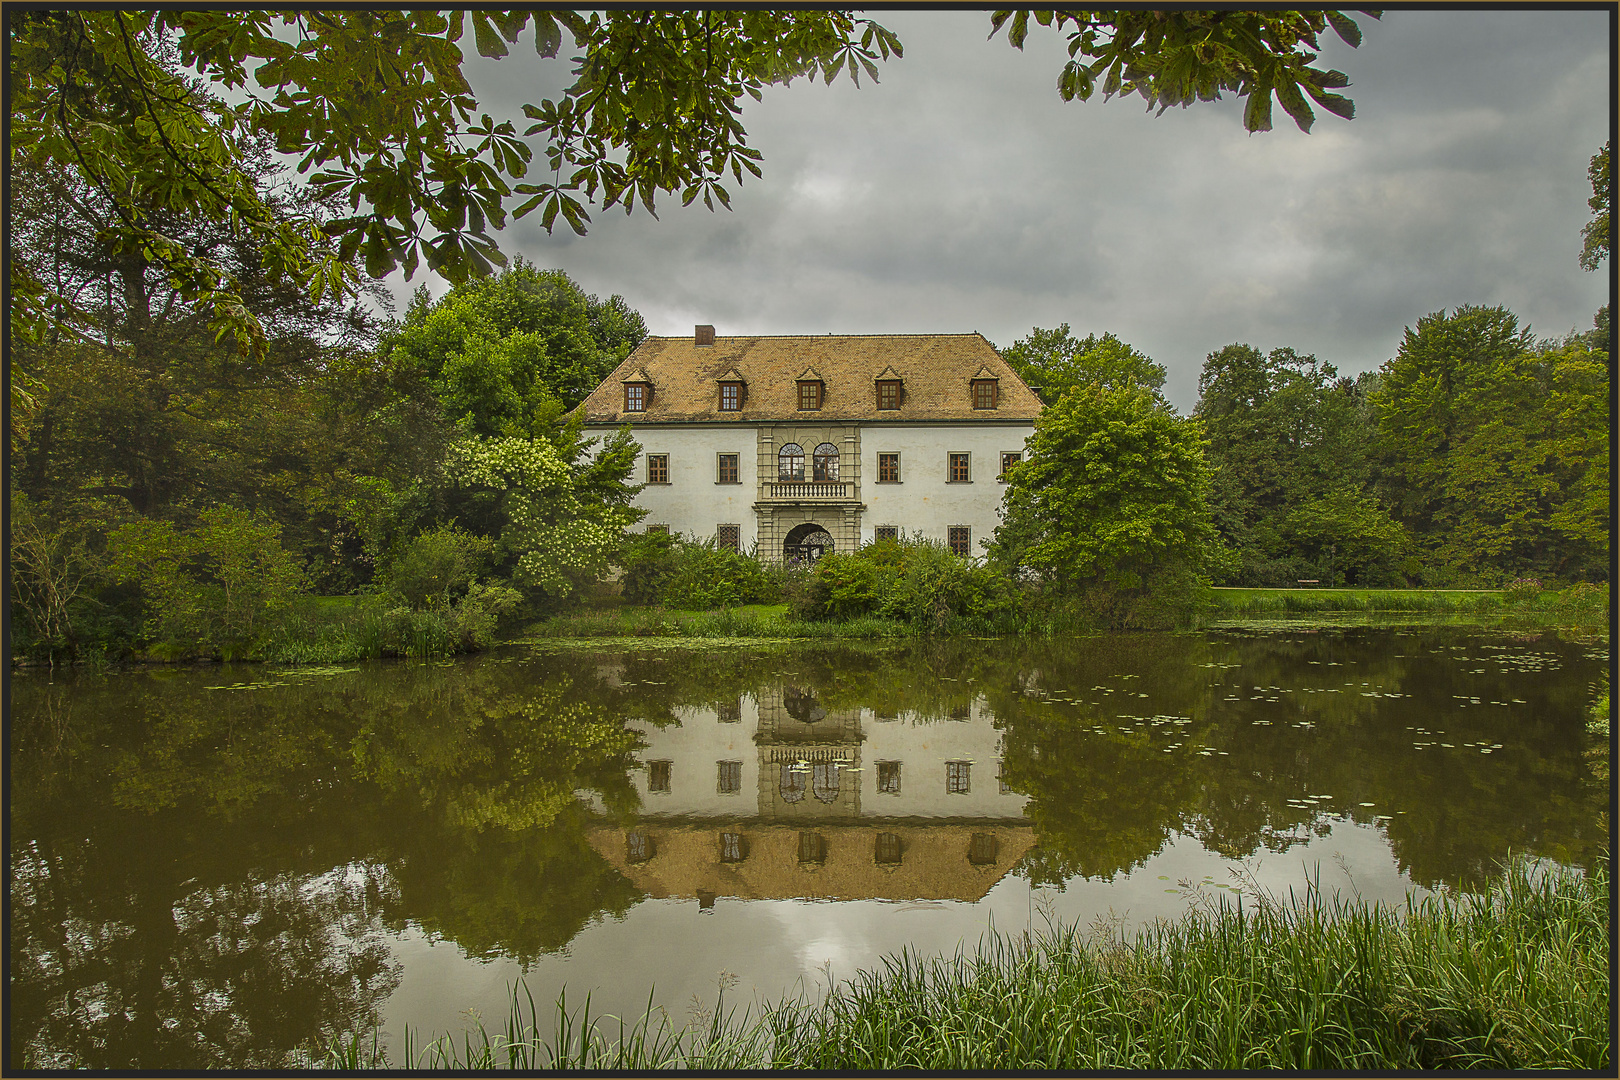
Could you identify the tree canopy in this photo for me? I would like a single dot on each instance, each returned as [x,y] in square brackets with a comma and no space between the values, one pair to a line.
[1110,502]
[1053,362]
[1598,234]
[160,111]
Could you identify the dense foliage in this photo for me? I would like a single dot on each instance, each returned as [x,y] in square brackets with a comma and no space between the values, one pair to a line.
[1110,504]
[160,111]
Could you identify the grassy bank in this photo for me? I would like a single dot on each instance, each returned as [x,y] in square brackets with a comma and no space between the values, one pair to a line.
[749,621]
[1515,978]
[1579,604]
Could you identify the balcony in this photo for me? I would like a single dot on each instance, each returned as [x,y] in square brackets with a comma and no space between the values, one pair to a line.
[809,491]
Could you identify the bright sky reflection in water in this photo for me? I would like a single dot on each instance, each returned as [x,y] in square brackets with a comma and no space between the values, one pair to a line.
[398,843]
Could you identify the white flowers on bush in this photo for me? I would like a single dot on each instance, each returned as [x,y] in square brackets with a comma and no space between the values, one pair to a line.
[554,531]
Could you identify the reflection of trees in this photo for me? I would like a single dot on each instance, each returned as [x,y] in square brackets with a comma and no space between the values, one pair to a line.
[217,951]
[205,877]
[203,882]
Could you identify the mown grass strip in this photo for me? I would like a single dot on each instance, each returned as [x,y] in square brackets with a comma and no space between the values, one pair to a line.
[1513,978]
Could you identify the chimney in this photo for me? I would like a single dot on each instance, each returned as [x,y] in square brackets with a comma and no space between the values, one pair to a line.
[702,335]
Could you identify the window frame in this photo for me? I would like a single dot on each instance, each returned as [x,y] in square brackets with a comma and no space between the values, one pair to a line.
[967,540]
[887,770]
[959,778]
[796,477]
[891,389]
[979,386]
[885,532]
[817,391]
[728,771]
[661,529]
[720,463]
[819,460]
[965,457]
[1017,457]
[736,536]
[735,389]
[637,401]
[657,464]
[892,457]
[660,776]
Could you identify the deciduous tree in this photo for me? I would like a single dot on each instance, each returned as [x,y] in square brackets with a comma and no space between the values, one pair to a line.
[1111,503]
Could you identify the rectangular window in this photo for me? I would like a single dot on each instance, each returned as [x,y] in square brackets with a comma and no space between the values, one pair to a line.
[657,468]
[812,847]
[731,847]
[956,777]
[957,536]
[809,395]
[888,394]
[982,848]
[956,468]
[1009,461]
[635,397]
[984,393]
[1001,779]
[728,537]
[888,468]
[638,846]
[729,712]
[727,470]
[886,532]
[730,396]
[658,775]
[887,849]
[888,778]
[730,778]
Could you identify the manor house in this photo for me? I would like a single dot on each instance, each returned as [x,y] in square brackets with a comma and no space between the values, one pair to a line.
[806,444]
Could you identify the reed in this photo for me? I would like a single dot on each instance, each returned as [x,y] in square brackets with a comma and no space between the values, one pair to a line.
[1513,978]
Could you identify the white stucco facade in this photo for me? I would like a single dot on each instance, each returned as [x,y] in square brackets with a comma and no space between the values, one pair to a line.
[695,497]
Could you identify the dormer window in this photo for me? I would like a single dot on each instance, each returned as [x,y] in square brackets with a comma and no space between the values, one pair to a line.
[809,395]
[888,394]
[635,397]
[731,394]
[984,393]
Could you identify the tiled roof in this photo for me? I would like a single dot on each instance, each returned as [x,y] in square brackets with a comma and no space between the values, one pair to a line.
[935,369]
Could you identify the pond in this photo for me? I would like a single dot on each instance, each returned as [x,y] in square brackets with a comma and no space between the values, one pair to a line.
[213,866]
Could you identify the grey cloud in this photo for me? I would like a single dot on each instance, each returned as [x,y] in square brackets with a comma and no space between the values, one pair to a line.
[961,194]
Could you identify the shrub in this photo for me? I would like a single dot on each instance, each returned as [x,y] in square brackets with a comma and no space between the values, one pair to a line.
[917,581]
[1521,589]
[693,576]
[439,565]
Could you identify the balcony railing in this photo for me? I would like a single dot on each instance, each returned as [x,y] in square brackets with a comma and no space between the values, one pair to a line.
[823,489]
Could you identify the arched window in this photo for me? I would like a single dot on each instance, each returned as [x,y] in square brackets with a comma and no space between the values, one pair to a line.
[824,781]
[790,463]
[792,784]
[826,462]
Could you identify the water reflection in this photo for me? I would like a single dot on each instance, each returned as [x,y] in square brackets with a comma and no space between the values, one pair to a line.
[210,867]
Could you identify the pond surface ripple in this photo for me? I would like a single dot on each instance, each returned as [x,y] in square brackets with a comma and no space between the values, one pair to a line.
[213,867]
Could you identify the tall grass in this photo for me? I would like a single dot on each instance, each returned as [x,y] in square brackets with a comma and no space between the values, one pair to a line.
[1579,604]
[1513,978]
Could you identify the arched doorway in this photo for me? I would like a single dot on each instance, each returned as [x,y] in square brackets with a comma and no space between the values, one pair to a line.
[808,541]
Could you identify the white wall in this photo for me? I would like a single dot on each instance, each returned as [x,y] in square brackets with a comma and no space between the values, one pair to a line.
[923,501]
[922,747]
[693,503]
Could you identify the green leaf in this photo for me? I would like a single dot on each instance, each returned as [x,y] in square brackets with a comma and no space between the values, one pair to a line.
[1345,27]
[488,40]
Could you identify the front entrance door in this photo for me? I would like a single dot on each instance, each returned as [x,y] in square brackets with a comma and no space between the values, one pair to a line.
[808,542]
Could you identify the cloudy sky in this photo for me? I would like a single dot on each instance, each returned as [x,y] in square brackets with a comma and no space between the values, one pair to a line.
[961,194]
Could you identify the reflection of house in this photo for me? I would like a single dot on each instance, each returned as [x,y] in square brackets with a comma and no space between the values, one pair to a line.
[807,444]
[752,860]
[775,794]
